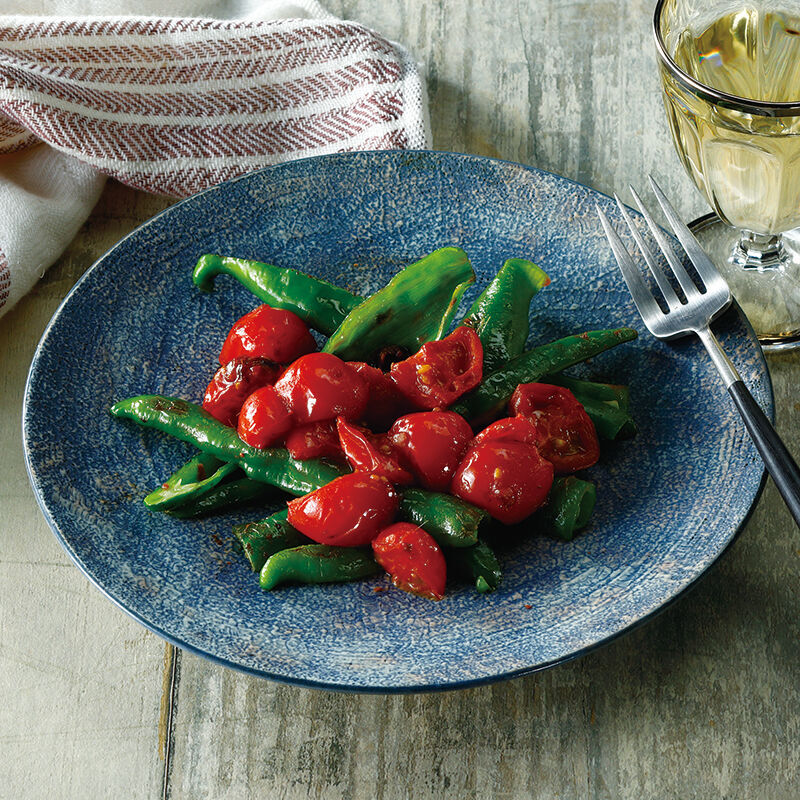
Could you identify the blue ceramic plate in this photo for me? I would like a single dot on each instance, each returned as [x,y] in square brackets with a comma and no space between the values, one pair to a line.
[669,502]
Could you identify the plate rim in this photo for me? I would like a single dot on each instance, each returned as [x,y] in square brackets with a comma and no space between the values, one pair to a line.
[438,686]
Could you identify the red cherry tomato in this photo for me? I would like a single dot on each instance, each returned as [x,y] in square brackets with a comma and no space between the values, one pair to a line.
[431,444]
[508,429]
[412,558]
[267,332]
[315,440]
[386,403]
[510,480]
[566,435]
[321,386]
[441,371]
[369,452]
[264,419]
[234,383]
[350,511]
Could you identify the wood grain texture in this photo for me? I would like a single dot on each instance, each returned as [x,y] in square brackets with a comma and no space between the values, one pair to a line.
[79,681]
[700,703]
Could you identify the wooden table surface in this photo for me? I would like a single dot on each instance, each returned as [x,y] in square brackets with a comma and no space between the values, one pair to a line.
[700,703]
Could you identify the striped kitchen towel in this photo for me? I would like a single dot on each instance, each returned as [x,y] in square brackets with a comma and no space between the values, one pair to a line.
[174,106]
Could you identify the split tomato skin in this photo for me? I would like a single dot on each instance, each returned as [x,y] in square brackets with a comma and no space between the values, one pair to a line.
[266,332]
[509,480]
[412,558]
[431,444]
[350,511]
[566,435]
[264,419]
[314,440]
[508,429]
[233,383]
[320,386]
[370,452]
[440,372]
[385,403]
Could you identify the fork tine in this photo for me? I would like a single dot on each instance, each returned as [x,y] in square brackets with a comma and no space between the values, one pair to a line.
[661,279]
[702,263]
[689,289]
[633,277]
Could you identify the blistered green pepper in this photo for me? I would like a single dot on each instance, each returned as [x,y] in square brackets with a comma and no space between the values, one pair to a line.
[232,493]
[615,394]
[500,314]
[610,422]
[262,539]
[416,306]
[450,521]
[496,389]
[569,507]
[193,479]
[478,563]
[318,563]
[605,403]
[190,423]
[203,486]
[318,303]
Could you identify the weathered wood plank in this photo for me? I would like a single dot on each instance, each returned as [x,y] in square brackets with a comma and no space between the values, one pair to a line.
[80,682]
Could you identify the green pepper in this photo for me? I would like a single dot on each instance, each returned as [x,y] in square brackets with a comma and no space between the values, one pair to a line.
[231,493]
[262,539]
[416,306]
[589,390]
[193,479]
[477,563]
[318,303]
[605,403]
[190,423]
[500,314]
[496,388]
[611,423]
[450,521]
[569,506]
[318,563]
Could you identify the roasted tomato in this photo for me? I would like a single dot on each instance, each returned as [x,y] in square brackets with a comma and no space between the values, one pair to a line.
[431,444]
[350,511]
[264,419]
[442,371]
[314,440]
[509,480]
[566,435]
[320,386]
[386,403]
[233,383]
[508,429]
[267,332]
[412,558]
[371,452]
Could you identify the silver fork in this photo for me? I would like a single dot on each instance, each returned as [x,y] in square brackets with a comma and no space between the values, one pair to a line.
[694,316]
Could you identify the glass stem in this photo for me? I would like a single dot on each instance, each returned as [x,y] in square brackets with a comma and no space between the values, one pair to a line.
[758,251]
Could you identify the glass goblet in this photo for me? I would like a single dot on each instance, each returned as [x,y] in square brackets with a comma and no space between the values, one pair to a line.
[730,76]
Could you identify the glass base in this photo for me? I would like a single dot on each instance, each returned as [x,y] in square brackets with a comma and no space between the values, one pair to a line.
[769,295]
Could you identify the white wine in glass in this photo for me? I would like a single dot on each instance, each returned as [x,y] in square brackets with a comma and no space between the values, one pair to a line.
[731,80]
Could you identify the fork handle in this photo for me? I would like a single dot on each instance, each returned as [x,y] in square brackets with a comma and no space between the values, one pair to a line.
[777,459]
